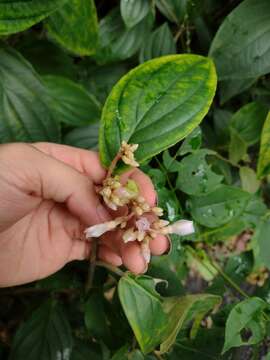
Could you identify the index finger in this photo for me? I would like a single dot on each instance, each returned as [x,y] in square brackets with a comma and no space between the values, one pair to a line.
[84,161]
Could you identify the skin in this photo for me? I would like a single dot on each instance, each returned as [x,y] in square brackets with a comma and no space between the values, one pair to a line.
[48,198]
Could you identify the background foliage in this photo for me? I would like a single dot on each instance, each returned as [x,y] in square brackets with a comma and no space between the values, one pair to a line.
[209,296]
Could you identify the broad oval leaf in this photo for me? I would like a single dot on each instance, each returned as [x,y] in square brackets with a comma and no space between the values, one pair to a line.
[45,336]
[160,42]
[143,308]
[219,207]
[246,324]
[24,106]
[133,11]
[241,48]
[75,26]
[261,237]
[19,15]
[264,157]
[156,105]
[71,103]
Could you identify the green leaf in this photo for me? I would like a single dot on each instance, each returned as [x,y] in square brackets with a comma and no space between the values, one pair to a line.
[19,15]
[24,105]
[85,137]
[241,47]
[125,354]
[264,157]
[219,207]
[174,10]
[248,121]
[116,42]
[95,317]
[245,324]
[261,237]
[168,201]
[45,336]
[159,43]
[75,27]
[133,11]
[156,105]
[192,142]
[237,147]
[249,180]
[181,310]
[143,308]
[233,87]
[71,103]
[195,176]
[85,350]
[47,58]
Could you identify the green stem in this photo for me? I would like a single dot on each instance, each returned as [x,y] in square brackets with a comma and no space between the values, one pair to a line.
[111,268]
[162,168]
[226,160]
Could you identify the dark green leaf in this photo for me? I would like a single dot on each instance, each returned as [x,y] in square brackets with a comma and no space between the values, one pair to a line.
[175,90]
[95,318]
[19,15]
[219,207]
[133,11]
[75,26]
[159,43]
[45,336]
[248,121]
[237,147]
[24,104]
[71,103]
[84,350]
[181,310]
[192,142]
[168,201]
[245,324]
[143,308]
[195,176]
[116,42]
[263,167]
[85,137]
[241,48]
[47,58]
[174,10]
[230,88]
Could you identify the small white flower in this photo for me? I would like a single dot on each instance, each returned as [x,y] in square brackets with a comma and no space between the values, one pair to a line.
[181,227]
[100,229]
[143,224]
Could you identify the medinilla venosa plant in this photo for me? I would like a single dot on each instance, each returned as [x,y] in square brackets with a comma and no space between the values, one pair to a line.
[149,110]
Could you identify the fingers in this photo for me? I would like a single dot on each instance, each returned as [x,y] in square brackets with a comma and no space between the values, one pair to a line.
[159,245]
[45,177]
[108,255]
[132,257]
[84,161]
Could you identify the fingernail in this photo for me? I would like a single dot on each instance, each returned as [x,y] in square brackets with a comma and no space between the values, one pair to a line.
[102,213]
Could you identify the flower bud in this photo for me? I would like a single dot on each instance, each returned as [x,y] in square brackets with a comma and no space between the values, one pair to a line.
[129,235]
[181,227]
[100,229]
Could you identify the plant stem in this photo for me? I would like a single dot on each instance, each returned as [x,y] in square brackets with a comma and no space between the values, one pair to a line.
[166,174]
[226,160]
[220,271]
[111,268]
[113,164]
[92,266]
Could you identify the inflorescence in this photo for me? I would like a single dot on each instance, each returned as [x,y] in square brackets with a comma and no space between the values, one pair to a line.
[141,223]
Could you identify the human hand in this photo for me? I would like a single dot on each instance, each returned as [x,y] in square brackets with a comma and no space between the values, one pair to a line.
[47,194]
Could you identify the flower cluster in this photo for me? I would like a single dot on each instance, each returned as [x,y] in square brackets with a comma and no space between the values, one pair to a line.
[141,223]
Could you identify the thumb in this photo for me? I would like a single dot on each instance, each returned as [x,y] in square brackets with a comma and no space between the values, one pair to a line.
[52,179]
